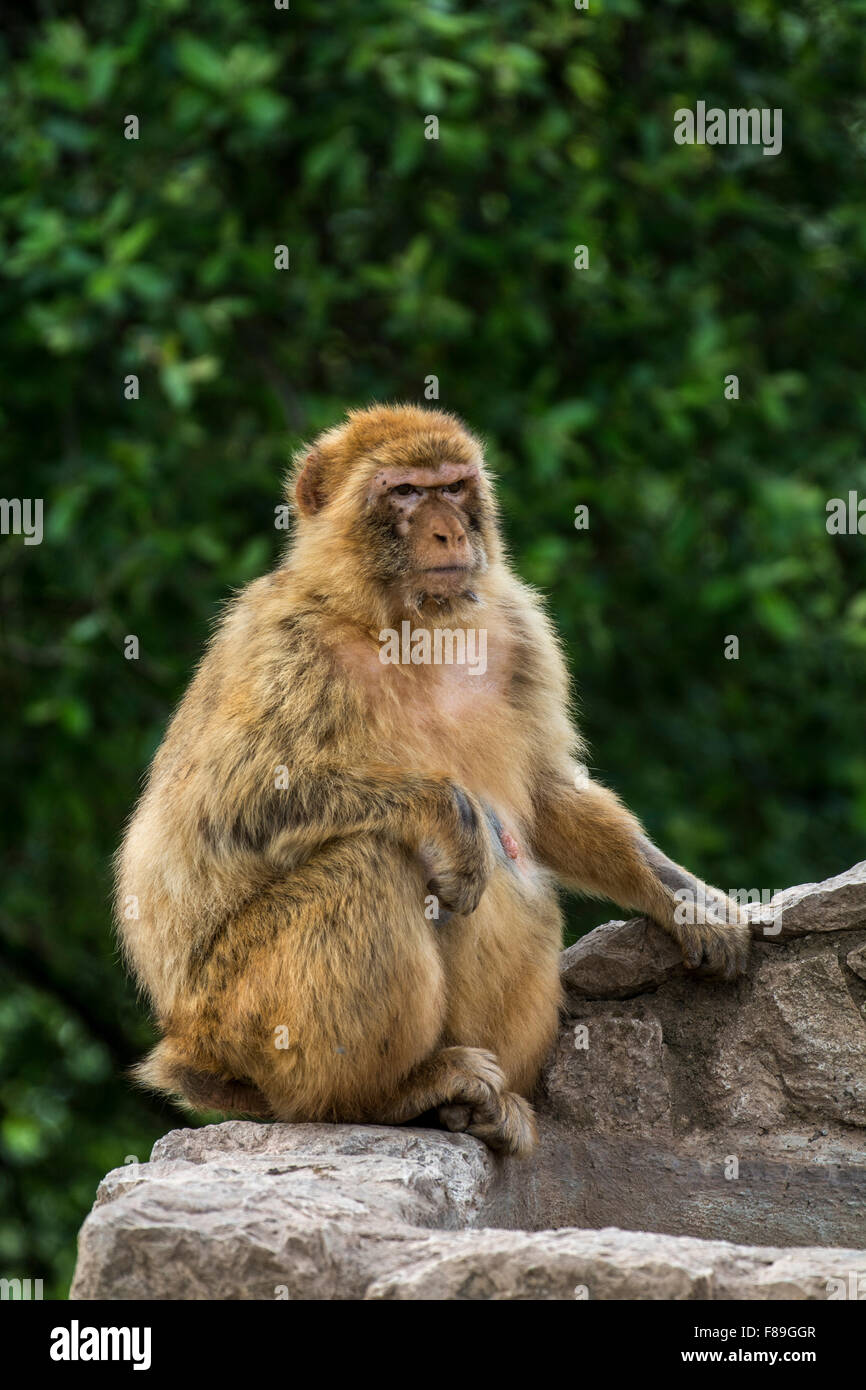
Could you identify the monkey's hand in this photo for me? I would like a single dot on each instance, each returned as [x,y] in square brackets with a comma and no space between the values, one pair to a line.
[714,934]
[459,851]
[711,929]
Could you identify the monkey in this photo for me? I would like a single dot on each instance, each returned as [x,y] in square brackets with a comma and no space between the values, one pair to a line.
[340,886]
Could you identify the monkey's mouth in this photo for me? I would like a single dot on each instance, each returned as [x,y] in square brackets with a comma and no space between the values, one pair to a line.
[442,584]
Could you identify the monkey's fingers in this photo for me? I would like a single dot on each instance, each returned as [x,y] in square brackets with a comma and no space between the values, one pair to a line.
[457,892]
[717,950]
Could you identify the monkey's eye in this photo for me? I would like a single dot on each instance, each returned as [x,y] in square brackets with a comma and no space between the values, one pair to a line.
[404,489]
[454,488]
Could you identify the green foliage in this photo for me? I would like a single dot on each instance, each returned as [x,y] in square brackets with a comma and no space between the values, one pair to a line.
[412,257]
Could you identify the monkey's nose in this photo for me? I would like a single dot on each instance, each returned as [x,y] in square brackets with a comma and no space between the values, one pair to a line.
[455,538]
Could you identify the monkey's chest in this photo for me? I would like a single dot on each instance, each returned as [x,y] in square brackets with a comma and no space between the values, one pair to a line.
[446,714]
[463,727]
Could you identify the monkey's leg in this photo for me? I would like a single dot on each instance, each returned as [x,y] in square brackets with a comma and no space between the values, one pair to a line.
[465,1084]
[502,968]
[592,842]
[326,990]
[328,993]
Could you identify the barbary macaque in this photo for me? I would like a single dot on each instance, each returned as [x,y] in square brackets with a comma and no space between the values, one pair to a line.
[345,866]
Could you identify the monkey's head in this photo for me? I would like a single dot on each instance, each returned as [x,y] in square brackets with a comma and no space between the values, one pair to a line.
[397,504]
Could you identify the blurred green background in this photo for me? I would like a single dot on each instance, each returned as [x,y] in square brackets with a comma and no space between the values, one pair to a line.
[409,258]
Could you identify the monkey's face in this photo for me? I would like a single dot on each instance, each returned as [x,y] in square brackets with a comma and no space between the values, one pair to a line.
[396,514]
[426,528]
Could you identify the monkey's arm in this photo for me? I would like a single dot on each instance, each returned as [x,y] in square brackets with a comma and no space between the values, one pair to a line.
[431,816]
[594,844]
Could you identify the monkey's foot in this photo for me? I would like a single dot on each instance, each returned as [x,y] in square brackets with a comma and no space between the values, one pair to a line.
[472,1076]
[479,1105]
[510,1129]
[717,949]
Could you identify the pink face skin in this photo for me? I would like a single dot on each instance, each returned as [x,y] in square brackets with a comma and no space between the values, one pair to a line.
[449,487]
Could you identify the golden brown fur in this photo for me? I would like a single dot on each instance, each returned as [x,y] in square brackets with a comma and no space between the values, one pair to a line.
[281,931]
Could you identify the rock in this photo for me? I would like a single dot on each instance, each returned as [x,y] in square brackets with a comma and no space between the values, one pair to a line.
[607,1074]
[258,1211]
[619,960]
[856,961]
[676,1117]
[611,1264]
[837,904]
[248,1211]
[816,1039]
[709,1109]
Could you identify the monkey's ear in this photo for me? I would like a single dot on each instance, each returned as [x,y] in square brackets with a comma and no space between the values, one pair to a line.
[309,484]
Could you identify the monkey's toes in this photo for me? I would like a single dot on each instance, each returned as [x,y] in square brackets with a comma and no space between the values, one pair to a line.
[457,1118]
[476,1072]
[511,1131]
[473,1085]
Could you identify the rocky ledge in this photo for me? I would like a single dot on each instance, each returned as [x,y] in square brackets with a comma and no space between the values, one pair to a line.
[680,1123]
